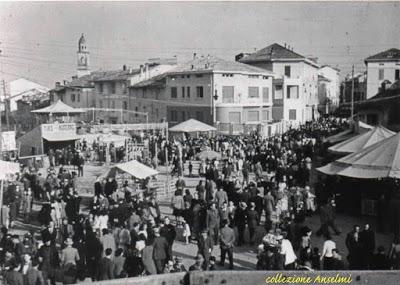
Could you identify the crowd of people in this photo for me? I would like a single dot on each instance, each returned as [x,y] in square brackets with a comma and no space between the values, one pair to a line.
[258,196]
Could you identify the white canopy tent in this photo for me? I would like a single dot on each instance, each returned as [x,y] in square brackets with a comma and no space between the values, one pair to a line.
[192,126]
[59,107]
[379,160]
[133,168]
[362,141]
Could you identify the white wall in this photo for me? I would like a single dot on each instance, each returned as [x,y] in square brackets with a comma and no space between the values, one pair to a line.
[373,81]
[333,87]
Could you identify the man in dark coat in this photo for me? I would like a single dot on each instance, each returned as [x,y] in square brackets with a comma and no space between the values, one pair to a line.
[205,246]
[107,266]
[367,238]
[168,231]
[213,222]
[240,221]
[252,221]
[50,261]
[161,252]
[354,246]
[327,216]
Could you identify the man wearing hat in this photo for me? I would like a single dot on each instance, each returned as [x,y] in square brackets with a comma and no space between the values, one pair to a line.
[240,221]
[227,241]
[205,246]
[213,222]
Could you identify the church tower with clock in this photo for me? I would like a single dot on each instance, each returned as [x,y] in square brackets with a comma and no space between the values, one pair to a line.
[83,57]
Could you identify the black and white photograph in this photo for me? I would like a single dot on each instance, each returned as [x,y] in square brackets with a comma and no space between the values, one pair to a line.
[199,142]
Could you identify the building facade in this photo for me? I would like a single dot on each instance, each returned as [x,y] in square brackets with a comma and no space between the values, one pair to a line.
[381,67]
[333,86]
[295,92]
[209,89]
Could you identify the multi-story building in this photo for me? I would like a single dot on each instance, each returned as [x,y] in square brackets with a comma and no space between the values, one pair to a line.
[211,90]
[295,92]
[360,88]
[381,67]
[333,86]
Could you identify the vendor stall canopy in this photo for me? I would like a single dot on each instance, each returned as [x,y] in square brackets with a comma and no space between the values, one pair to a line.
[362,141]
[133,167]
[349,133]
[208,154]
[192,126]
[379,160]
[59,107]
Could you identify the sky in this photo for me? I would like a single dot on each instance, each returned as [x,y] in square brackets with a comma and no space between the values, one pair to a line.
[39,40]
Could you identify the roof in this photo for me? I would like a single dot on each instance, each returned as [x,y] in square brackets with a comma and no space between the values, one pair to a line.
[328,66]
[362,141]
[118,75]
[22,85]
[58,107]
[192,125]
[155,81]
[392,54]
[212,64]
[54,137]
[275,52]
[323,78]
[391,91]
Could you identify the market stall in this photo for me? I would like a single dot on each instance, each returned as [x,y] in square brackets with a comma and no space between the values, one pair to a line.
[361,141]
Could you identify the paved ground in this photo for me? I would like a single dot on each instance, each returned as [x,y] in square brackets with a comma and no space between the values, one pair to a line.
[245,257]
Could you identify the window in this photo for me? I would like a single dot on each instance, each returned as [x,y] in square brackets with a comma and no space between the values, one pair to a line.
[397,74]
[101,87]
[124,89]
[265,92]
[278,92]
[227,94]
[73,97]
[199,92]
[112,104]
[174,92]
[287,70]
[183,92]
[253,116]
[79,97]
[227,75]
[234,117]
[187,76]
[265,115]
[199,116]
[112,87]
[174,116]
[125,106]
[381,74]
[253,76]
[292,114]
[101,103]
[137,110]
[183,116]
[199,75]
[188,91]
[254,92]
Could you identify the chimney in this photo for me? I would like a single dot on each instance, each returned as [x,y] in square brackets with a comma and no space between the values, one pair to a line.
[65,82]
[124,67]
[194,55]
[141,69]
[58,84]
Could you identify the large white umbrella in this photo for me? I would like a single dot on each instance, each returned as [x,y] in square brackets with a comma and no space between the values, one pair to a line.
[379,160]
[192,126]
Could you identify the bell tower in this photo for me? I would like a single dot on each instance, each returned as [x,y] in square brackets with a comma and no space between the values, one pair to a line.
[83,57]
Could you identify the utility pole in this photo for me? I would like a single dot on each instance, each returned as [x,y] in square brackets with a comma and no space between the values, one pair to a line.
[352,92]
